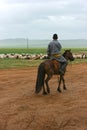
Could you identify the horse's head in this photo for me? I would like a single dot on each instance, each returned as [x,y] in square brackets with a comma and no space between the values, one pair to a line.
[68,55]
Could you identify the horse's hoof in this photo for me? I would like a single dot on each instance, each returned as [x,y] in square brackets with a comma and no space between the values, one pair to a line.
[44,93]
[64,88]
[48,91]
[59,90]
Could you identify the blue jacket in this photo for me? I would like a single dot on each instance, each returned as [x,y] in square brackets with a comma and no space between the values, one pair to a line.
[54,51]
[54,47]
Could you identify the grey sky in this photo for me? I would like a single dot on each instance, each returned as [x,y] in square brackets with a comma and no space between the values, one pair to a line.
[39,19]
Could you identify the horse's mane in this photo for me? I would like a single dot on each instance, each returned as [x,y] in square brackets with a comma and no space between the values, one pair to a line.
[66,52]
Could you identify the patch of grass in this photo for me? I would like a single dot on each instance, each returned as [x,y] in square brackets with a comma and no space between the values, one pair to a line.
[22,63]
[76,50]
[18,63]
[78,61]
[23,50]
[36,50]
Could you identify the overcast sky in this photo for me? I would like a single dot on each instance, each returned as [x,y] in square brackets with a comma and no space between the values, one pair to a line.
[39,19]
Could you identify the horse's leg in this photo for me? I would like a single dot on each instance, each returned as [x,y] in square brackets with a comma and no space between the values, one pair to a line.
[58,89]
[46,81]
[44,91]
[64,86]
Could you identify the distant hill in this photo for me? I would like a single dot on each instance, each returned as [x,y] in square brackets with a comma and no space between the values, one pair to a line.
[18,42]
[75,43]
[24,43]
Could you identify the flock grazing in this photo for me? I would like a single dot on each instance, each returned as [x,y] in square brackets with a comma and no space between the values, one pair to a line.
[37,56]
[23,56]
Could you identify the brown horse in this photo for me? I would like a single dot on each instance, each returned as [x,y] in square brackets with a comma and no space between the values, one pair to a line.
[49,68]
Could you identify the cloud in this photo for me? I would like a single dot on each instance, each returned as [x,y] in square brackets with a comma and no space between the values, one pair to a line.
[39,19]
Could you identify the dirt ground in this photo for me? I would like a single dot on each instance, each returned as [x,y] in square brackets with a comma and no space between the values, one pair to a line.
[22,109]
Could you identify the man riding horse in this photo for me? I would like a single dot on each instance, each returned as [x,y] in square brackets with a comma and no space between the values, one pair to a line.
[54,52]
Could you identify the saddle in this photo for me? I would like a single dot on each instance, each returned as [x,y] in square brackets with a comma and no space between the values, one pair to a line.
[56,66]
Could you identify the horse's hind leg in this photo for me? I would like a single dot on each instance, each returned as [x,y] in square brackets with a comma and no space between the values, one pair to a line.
[44,91]
[46,81]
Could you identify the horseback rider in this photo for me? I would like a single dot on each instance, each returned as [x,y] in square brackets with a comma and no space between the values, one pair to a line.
[54,52]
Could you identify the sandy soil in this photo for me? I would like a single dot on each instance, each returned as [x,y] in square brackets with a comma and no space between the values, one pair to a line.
[22,109]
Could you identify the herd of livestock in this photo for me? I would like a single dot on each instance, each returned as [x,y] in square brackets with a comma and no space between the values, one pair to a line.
[37,56]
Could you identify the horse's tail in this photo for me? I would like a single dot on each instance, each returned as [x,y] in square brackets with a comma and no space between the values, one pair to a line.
[40,78]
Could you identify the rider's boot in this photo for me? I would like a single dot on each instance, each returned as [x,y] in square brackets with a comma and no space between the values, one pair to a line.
[63,68]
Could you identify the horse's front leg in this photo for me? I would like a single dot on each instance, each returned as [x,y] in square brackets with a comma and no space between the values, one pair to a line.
[64,86]
[58,89]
